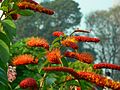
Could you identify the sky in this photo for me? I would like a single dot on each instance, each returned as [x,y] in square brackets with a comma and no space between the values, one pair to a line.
[88,6]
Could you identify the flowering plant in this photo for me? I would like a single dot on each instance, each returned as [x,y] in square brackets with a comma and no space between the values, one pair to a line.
[49,65]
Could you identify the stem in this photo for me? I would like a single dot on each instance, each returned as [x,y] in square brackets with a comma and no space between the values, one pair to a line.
[78,30]
[42,80]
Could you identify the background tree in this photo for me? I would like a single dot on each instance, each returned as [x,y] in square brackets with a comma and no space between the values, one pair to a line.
[106,25]
[67,15]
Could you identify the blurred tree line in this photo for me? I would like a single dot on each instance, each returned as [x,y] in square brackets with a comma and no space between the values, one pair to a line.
[105,24]
[67,15]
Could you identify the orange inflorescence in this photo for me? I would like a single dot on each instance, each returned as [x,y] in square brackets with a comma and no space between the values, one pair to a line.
[106,65]
[24,60]
[38,42]
[62,69]
[32,5]
[86,39]
[70,54]
[89,76]
[85,57]
[57,33]
[54,56]
[99,80]
[28,83]
[70,42]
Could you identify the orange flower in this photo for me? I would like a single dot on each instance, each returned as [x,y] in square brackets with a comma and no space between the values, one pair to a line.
[28,83]
[106,65]
[62,69]
[86,39]
[70,42]
[88,76]
[99,80]
[70,54]
[85,57]
[38,42]
[32,5]
[58,33]
[54,56]
[24,60]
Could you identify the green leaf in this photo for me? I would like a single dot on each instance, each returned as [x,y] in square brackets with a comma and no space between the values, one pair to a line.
[3,65]
[4,52]
[3,78]
[9,28]
[26,12]
[4,8]
[5,3]
[56,40]
[4,38]
[64,61]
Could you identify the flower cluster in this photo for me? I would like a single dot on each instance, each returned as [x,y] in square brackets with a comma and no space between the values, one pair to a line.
[86,39]
[32,5]
[62,69]
[70,54]
[11,73]
[57,33]
[28,83]
[106,65]
[70,42]
[89,76]
[84,57]
[54,56]
[37,42]
[24,60]
[99,80]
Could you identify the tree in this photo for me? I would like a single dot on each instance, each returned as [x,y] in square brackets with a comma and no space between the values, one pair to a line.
[67,15]
[106,25]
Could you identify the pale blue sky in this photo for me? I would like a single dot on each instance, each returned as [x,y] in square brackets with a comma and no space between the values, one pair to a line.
[88,6]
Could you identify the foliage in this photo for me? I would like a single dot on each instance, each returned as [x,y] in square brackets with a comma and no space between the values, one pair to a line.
[45,66]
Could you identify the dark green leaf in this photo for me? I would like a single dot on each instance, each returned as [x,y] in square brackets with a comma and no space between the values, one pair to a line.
[3,77]
[4,52]
[65,62]
[4,38]
[5,3]
[9,28]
